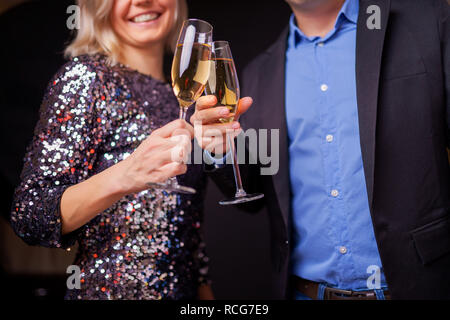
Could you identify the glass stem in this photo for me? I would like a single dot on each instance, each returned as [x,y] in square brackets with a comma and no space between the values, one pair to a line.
[240,192]
[183,112]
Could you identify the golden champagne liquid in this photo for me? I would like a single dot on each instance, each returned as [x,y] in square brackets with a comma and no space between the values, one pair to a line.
[190,71]
[223,83]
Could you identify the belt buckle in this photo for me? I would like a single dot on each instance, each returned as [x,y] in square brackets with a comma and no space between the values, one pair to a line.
[364,295]
[338,292]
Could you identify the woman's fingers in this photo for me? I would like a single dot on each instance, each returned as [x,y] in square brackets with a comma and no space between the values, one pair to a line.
[167,130]
[187,131]
[165,172]
[172,169]
[178,135]
[182,149]
[162,155]
[155,163]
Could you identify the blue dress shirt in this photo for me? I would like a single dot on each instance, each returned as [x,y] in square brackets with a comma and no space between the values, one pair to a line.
[333,238]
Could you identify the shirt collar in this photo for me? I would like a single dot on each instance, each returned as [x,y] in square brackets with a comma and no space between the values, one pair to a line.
[348,11]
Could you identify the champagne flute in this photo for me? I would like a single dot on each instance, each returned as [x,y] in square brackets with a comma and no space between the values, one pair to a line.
[190,71]
[223,83]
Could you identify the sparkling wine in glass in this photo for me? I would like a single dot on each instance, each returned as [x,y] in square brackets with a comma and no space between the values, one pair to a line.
[223,83]
[190,72]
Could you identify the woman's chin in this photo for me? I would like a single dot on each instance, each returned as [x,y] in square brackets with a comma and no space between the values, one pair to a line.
[147,43]
[150,41]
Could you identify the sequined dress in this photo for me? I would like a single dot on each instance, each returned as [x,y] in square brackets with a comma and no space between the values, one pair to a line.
[147,245]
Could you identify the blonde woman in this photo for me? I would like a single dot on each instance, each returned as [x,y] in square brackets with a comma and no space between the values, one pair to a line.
[105,131]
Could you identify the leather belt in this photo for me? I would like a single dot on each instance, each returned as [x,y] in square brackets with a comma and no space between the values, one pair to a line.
[311,288]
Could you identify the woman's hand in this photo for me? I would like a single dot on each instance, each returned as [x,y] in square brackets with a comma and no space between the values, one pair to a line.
[209,132]
[161,156]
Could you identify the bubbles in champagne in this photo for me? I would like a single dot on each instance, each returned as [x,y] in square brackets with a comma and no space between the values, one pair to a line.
[190,71]
[223,83]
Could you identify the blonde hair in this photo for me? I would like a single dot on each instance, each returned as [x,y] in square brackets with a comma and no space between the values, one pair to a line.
[96,34]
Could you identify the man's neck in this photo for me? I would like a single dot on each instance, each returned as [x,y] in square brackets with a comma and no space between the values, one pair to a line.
[148,61]
[317,18]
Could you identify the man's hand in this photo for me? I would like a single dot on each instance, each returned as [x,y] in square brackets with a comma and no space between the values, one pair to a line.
[210,133]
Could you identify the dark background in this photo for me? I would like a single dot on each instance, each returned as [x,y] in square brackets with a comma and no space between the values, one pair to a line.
[32,37]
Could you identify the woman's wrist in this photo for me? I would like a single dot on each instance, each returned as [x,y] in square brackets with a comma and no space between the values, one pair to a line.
[82,202]
[117,182]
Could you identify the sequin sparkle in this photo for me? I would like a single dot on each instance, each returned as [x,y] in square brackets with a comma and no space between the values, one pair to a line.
[147,245]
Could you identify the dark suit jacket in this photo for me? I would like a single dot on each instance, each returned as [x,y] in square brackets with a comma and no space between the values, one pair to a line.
[403,92]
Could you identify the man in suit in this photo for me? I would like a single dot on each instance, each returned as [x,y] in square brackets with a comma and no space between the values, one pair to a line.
[360,93]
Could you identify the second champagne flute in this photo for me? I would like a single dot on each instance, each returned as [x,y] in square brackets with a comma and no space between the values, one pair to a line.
[190,71]
[223,83]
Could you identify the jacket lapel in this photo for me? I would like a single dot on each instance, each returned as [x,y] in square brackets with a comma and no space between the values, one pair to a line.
[273,116]
[369,49]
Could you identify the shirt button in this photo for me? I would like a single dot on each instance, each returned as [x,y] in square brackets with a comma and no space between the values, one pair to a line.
[334,193]
[320,44]
[324,87]
[343,250]
[330,138]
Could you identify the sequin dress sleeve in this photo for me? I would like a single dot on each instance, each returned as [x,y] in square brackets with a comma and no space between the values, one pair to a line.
[62,149]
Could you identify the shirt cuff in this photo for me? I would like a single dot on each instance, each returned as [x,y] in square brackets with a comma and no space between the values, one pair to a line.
[217,162]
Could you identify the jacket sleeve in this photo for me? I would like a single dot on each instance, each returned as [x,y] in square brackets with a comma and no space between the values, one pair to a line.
[61,153]
[444,29]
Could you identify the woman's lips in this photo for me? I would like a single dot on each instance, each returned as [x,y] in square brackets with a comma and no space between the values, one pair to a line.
[146,17]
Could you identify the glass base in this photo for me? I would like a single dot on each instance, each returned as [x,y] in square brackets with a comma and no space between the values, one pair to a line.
[171,187]
[241,199]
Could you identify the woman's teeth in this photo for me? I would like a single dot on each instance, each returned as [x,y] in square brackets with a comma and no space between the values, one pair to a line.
[146,17]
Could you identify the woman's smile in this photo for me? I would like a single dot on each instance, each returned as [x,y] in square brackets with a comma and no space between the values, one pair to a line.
[146,19]
[141,23]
